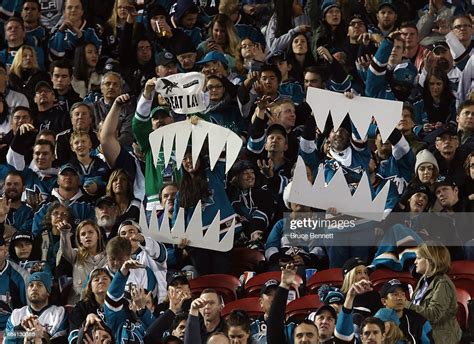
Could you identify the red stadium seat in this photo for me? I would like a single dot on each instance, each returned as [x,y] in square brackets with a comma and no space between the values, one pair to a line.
[225,285]
[380,276]
[250,304]
[332,277]
[253,285]
[463,298]
[245,259]
[300,308]
[462,275]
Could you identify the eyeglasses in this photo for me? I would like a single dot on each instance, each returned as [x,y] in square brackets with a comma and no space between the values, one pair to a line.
[247,46]
[214,87]
[462,26]
[357,23]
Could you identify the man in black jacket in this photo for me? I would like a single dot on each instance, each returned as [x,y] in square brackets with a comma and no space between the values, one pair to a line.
[414,326]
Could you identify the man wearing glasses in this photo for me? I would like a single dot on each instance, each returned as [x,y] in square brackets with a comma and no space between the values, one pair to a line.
[49,116]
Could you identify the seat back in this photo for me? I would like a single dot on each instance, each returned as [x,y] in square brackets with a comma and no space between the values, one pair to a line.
[224,285]
[300,308]
[332,277]
[250,304]
[253,285]
[462,314]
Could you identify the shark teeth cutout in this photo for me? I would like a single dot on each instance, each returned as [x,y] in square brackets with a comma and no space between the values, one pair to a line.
[219,138]
[361,109]
[337,194]
[194,232]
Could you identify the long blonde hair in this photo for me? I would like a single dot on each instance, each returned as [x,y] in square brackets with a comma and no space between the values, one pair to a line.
[113,18]
[16,67]
[82,253]
[232,47]
[437,255]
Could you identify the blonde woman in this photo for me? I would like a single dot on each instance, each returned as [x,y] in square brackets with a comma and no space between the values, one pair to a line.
[88,255]
[25,72]
[120,189]
[223,37]
[355,270]
[435,295]
[115,26]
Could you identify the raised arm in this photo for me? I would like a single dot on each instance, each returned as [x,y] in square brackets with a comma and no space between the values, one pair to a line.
[108,135]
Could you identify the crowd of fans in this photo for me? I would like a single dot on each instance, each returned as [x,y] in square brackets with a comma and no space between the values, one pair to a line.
[78,102]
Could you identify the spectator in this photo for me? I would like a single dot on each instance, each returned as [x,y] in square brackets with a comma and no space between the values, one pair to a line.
[332,32]
[71,32]
[250,200]
[239,327]
[120,189]
[12,292]
[61,77]
[106,213]
[55,214]
[118,251]
[469,186]
[208,305]
[355,270]
[288,18]
[435,295]
[398,83]
[185,17]
[12,98]
[462,30]
[279,250]
[25,72]
[264,83]
[68,193]
[20,215]
[186,54]
[82,120]
[386,18]
[465,127]
[88,255]
[413,50]
[115,26]
[289,86]
[434,18]
[223,38]
[449,155]
[111,87]
[93,171]
[426,168]
[40,180]
[413,325]
[118,313]
[115,154]
[258,328]
[406,126]
[148,252]
[25,251]
[166,64]
[36,33]
[15,39]
[373,331]
[51,324]
[252,54]
[143,124]
[437,105]
[215,63]
[86,79]
[223,109]
[49,116]
[207,187]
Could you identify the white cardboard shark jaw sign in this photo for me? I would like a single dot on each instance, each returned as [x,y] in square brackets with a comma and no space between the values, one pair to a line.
[219,139]
[337,194]
[387,113]
[194,232]
[183,92]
